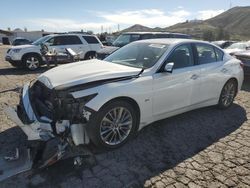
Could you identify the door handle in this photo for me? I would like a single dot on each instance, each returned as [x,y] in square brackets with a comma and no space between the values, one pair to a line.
[194,76]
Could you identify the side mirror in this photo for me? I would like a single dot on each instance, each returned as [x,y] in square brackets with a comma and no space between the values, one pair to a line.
[248,48]
[169,67]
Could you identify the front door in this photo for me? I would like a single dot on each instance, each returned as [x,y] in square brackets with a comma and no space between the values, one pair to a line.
[174,91]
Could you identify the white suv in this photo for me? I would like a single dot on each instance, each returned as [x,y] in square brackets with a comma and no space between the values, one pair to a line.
[27,55]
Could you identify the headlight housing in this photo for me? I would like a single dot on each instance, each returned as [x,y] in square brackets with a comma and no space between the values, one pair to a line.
[16,50]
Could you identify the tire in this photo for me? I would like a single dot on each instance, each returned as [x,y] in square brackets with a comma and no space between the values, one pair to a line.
[32,61]
[228,94]
[90,55]
[108,133]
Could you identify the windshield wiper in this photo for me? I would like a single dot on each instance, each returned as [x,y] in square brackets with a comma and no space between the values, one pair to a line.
[142,70]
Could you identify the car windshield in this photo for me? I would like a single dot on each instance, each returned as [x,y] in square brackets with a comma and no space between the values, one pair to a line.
[41,40]
[122,40]
[139,55]
[238,45]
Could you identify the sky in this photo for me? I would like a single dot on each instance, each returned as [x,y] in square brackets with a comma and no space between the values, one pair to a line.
[105,15]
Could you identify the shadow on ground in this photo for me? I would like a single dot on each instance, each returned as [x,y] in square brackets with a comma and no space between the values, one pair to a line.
[246,84]
[157,148]
[21,71]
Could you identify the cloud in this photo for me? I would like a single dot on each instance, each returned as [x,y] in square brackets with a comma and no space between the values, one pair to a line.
[56,24]
[147,17]
[206,14]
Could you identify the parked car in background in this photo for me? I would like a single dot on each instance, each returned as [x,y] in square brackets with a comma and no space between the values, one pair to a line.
[107,102]
[222,43]
[245,59]
[129,37]
[29,56]
[20,41]
[237,47]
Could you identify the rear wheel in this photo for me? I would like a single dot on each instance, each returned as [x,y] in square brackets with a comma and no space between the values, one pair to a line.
[228,94]
[113,125]
[32,61]
[90,55]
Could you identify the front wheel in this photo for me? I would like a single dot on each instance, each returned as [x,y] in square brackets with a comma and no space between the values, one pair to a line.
[228,94]
[113,125]
[32,62]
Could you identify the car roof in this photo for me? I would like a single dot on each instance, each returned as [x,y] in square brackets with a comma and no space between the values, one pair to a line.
[65,34]
[172,41]
[148,32]
[20,38]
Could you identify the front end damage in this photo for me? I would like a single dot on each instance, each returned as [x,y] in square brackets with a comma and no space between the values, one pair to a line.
[45,113]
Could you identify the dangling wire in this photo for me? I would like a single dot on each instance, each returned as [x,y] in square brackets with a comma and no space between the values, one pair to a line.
[17,89]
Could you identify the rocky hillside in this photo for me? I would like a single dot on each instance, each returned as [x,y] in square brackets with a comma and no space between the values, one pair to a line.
[235,21]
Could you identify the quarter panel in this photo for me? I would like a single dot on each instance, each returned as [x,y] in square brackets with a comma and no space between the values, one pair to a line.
[139,89]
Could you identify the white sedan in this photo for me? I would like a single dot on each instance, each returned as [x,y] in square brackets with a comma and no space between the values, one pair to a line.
[107,102]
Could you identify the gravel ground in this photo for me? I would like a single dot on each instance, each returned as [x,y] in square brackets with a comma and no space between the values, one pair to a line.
[203,148]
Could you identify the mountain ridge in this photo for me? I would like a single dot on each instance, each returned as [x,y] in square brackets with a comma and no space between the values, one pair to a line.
[235,21]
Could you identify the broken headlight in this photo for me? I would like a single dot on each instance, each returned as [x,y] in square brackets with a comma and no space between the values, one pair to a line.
[74,109]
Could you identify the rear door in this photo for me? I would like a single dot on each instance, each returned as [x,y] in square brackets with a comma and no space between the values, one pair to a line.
[77,45]
[210,63]
[93,43]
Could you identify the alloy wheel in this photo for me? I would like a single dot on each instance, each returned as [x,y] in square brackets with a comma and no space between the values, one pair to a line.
[32,63]
[116,126]
[228,94]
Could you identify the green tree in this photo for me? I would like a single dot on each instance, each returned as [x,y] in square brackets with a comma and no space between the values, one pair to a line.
[221,34]
[208,35]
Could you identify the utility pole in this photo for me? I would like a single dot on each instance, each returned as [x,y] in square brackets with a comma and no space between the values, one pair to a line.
[102,29]
[230,5]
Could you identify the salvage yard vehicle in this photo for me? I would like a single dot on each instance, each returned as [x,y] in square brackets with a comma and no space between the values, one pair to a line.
[128,37]
[237,47]
[223,44]
[20,41]
[107,102]
[245,59]
[29,56]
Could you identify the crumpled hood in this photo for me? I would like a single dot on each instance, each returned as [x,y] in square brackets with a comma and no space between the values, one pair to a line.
[82,72]
[108,50]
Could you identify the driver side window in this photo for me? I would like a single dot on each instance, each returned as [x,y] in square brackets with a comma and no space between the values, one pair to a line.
[182,57]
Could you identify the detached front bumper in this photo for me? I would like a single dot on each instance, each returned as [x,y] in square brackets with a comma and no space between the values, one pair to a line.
[26,119]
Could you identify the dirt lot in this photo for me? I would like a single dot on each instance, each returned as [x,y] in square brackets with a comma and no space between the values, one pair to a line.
[203,148]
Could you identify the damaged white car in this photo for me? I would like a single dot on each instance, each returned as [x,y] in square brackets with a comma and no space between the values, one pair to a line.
[107,102]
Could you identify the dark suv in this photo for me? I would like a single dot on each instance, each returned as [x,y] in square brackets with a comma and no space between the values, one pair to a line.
[126,38]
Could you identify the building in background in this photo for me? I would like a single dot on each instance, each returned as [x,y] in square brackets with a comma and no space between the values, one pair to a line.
[6,37]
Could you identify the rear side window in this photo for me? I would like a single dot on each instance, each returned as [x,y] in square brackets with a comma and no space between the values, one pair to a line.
[73,40]
[162,36]
[181,36]
[219,54]
[64,40]
[146,36]
[206,54]
[91,39]
[134,38]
